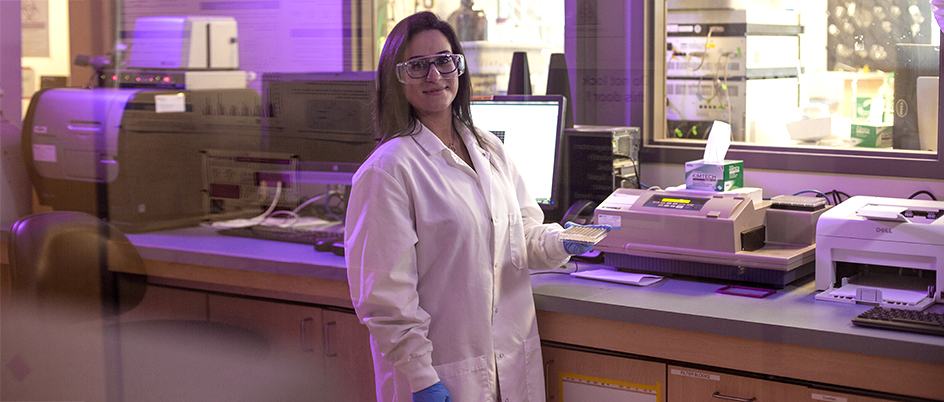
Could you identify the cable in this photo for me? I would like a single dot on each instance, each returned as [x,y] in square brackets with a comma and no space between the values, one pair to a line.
[286,223]
[703,54]
[335,210]
[837,196]
[726,97]
[925,192]
[308,202]
[640,185]
[238,223]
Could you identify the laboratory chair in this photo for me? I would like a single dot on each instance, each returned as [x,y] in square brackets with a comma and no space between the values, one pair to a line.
[73,277]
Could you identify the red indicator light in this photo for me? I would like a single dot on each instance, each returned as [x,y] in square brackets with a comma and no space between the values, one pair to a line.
[166,79]
[114,77]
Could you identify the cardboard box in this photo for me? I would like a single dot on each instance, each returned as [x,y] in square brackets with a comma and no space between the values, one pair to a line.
[725,176]
[872,135]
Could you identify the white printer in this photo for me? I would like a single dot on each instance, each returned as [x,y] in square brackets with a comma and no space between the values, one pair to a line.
[881,251]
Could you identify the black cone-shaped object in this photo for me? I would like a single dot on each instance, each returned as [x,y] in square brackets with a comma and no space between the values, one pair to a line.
[519,78]
[558,83]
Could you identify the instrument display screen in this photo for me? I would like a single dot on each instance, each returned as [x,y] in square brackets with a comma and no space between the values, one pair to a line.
[676,202]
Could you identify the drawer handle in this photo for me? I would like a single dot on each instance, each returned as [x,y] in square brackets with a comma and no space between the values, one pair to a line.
[306,344]
[547,370]
[327,340]
[732,398]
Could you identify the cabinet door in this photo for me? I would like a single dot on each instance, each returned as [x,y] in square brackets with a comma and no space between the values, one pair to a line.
[293,366]
[169,303]
[693,385]
[349,367]
[574,376]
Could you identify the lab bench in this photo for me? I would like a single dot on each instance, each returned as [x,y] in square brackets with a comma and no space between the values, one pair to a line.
[676,336]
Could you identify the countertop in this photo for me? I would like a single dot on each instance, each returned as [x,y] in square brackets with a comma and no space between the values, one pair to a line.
[790,316]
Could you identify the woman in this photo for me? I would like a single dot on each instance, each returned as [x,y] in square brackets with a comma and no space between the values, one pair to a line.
[440,235]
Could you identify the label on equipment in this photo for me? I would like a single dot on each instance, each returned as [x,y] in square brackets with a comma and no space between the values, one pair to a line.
[612,220]
[44,153]
[696,374]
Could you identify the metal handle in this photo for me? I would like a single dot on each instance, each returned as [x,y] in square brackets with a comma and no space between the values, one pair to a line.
[306,345]
[547,372]
[732,398]
[327,341]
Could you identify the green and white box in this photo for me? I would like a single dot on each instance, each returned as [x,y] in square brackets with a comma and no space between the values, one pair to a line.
[872,135]
[724,176]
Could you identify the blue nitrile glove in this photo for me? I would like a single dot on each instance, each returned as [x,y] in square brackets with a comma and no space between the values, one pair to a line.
[578,247]
[435,393]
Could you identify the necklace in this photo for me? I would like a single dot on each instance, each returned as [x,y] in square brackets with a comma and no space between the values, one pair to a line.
[452,144]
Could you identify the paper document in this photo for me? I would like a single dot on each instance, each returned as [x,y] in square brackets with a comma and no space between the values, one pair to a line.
[610,275]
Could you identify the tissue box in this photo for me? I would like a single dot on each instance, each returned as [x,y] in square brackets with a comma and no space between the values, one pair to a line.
[872,135]
[724,176]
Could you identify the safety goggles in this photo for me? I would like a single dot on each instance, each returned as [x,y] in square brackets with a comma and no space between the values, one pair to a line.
[414,71]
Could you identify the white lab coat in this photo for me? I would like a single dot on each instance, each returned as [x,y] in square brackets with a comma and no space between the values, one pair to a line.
[438,258]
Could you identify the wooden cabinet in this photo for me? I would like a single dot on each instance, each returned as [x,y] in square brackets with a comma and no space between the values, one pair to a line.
[693,385]
[573,376]
[168,303]
[150,353]
[349,365]
[312,352]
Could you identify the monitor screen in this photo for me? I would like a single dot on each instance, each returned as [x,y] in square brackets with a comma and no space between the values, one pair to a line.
[324,117]
[530,127]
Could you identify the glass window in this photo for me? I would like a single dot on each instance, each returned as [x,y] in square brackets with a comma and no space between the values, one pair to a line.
[803,73]
[804,84]
[845,87]
[491,31]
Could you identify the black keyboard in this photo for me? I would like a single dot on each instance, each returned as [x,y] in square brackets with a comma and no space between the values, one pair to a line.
[289,234]
[902,320]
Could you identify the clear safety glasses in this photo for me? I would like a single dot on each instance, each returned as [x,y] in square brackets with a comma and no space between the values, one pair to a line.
[415,71]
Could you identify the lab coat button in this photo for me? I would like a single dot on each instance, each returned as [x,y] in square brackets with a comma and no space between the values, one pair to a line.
[496,311]
[501,355]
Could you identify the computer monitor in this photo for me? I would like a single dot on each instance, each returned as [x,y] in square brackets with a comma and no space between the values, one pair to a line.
[530,126]
[323,117]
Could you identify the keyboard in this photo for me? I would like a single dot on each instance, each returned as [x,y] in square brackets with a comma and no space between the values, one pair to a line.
[902,320]
[288,234]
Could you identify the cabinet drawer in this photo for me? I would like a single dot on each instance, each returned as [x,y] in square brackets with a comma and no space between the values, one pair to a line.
[694,385]
[573,376]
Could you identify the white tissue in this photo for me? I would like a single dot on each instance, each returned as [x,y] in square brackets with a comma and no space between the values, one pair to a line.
[719,139]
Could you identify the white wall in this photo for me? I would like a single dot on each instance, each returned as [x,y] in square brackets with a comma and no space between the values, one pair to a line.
[15,195]
[59,61]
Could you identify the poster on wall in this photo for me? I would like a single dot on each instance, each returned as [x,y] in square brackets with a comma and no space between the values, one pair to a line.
[282,36]
[35,26]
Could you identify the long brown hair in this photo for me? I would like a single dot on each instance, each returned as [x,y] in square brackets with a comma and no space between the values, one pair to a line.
[393,114]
